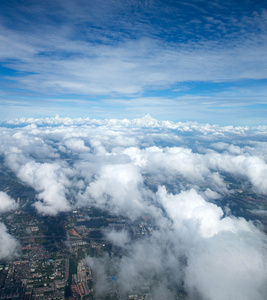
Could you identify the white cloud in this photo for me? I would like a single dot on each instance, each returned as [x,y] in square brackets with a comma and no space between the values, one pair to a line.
[118,238]
[106,61]
[174,173]
[145,122]
[146,150]
[105,69]
[48,179]
[252,167]
[228,267]
[165,164]
[208,255]
[9,246]
[118,189]
[76,145]
[7,203]
[81,55]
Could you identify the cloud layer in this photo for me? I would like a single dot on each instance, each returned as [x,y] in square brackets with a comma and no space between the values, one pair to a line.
[179,176]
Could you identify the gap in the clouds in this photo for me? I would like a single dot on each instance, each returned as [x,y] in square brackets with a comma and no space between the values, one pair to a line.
[208,88]
[7,71]
[241,198]
[259,106]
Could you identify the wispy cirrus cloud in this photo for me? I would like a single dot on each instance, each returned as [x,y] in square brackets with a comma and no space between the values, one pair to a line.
[132,50]
[130,67]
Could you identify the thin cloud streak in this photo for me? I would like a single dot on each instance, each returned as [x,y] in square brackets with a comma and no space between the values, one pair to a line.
[133,67]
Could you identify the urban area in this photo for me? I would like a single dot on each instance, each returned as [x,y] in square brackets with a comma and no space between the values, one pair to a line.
[52,263]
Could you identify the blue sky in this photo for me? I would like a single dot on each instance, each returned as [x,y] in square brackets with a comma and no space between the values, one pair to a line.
[193,60]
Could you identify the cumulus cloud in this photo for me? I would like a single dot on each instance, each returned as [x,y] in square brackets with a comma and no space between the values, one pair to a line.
[7,203]
[48,179]
[118,238]
[251,167]
[117,189]
[142,153]
[9,246]
[145,122]
[179,175]
[197,250]
[172,162]
[76,145]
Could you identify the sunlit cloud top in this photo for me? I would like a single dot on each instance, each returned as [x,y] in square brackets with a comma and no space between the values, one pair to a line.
[176,60]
